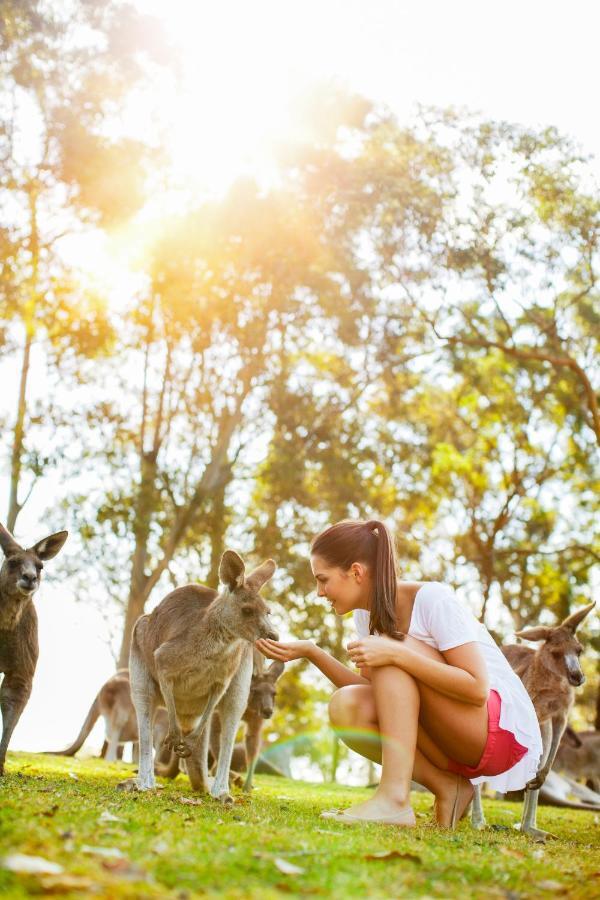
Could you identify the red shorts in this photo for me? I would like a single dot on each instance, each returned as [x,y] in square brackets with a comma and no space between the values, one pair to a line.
[502,750]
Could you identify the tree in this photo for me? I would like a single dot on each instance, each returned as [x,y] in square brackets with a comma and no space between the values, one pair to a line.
[65,72]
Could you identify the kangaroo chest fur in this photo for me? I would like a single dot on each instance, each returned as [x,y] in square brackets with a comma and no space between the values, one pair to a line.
[193,684]
[556,699]
[18,638]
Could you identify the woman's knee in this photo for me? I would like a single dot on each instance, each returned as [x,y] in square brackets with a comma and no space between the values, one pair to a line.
[350,705]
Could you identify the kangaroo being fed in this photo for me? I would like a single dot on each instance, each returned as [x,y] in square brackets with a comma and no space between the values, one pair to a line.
[551,673]
[20,577]
[193,654]
[113,703]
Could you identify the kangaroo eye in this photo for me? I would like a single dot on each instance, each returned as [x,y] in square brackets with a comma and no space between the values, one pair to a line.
[247,609]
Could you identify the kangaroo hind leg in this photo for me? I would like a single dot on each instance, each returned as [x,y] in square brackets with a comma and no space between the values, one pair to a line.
[145,701]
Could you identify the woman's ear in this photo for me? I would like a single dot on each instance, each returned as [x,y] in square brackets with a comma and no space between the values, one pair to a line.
[358,572]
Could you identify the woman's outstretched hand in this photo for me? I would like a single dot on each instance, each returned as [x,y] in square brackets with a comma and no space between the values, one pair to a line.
[284,652]
[374,650]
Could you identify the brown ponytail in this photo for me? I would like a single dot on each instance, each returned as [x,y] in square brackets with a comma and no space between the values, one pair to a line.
[371,543]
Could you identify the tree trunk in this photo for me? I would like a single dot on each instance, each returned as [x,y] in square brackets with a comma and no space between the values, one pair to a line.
[138,592]
[217,525]
[135,608]
[14,507]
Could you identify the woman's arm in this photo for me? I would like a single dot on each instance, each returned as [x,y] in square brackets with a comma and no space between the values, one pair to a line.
[463,676]
[339,674]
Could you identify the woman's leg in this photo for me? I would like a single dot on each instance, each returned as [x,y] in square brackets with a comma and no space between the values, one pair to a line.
[353,714]
[381,723]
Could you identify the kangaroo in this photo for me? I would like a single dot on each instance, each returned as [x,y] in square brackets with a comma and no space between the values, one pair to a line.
[579,757]
[193,654]
[261,703]
[113,703]
[550,675]
[20,577]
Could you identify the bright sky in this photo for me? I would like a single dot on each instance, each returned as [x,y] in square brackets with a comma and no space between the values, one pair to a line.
[533,63]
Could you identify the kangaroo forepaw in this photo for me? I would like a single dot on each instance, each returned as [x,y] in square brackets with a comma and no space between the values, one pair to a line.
[176,742]
[536,783]
[182,749]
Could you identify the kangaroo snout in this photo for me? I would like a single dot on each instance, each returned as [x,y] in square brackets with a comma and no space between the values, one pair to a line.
[27,583]
[269,632]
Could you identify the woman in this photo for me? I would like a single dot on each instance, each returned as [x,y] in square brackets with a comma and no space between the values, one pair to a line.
[435,700]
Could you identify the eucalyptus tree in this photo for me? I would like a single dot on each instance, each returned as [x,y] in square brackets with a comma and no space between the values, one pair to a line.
[183,402]
[524,249]
[66,70]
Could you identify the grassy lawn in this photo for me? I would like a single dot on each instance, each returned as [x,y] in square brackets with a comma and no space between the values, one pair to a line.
[123,845]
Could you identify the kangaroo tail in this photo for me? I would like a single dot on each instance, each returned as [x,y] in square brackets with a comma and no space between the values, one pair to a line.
[549,799]
[169,769]
[90,721]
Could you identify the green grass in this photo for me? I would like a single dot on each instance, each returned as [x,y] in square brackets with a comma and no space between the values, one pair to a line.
[172,849]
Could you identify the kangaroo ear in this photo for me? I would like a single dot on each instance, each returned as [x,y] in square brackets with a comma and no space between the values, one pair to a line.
[7,542]
[275,670]
[541,633]
[573,621]
[231,570]
[260,575]
[49,547]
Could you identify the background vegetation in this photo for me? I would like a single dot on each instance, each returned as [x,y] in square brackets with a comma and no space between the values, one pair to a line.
[402,322]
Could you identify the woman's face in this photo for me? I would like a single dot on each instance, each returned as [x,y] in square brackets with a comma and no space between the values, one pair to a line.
[345,590]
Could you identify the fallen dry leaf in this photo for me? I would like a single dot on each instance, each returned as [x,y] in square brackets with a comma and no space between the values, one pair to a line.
[191,801]
[108,852]
[129,785]
[30,865]
[508,851]
[124,869]
[287,868]
[549,885]
[51,812]
[107,816]
[288,888]
[64,884]
[393,854]
[159,847]
[73,776]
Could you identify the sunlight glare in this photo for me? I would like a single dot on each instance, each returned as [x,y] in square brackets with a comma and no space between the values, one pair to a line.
[242,65]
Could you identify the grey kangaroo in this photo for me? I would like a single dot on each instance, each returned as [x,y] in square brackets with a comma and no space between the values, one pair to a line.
[113,703]
[193,654]
[579,757]
[551,673]
[20,577]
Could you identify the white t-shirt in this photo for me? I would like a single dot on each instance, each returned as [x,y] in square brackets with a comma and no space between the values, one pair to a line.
[438,619]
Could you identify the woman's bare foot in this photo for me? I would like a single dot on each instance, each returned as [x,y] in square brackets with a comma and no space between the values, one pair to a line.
[452,801]
[382,806]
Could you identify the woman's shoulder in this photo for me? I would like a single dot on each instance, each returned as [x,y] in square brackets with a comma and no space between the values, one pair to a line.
[434,590]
